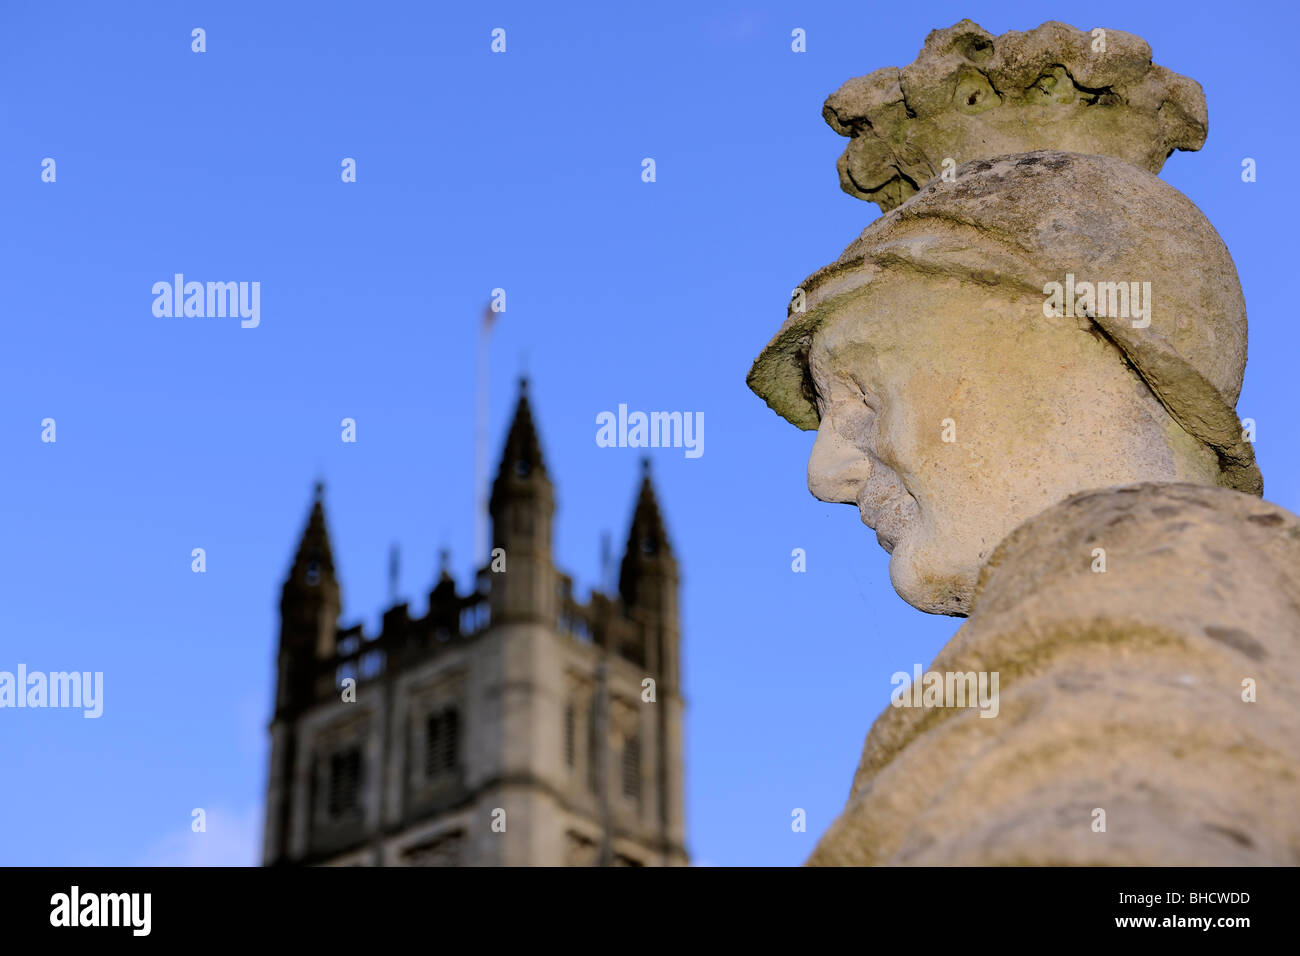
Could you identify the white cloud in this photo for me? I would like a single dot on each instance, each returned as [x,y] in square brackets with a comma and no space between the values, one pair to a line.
[231,839]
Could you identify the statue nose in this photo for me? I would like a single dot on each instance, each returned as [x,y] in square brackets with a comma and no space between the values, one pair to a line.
[836,468]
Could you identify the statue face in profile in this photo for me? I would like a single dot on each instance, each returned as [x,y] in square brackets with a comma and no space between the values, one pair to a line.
[954,400]
[949,414]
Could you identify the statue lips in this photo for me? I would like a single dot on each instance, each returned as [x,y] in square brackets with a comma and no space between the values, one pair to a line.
[885,505]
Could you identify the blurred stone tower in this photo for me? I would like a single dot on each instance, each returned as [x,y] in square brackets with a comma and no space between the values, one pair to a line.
[509,726]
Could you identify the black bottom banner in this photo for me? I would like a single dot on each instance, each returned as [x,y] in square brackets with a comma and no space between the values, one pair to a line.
[376,905]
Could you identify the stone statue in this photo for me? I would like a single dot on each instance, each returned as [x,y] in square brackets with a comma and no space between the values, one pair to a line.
[1024,376]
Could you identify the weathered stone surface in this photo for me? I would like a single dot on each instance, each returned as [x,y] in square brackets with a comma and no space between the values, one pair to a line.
[1119,690]
[970,95]
[1001,446]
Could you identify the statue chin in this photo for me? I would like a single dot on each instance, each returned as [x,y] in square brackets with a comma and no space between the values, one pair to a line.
[923,580]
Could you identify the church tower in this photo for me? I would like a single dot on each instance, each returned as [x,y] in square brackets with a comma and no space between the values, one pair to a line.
[511,725]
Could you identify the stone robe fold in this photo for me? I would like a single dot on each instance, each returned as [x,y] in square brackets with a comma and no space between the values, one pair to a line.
[1120,690]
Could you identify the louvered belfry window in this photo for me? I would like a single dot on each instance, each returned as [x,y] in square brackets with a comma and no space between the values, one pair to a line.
[632,768]
[441,743]
[344,782]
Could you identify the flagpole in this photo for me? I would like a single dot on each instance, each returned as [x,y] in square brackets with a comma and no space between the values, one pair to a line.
[482,406]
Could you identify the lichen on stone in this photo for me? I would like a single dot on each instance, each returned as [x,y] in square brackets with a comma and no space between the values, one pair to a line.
[970,95]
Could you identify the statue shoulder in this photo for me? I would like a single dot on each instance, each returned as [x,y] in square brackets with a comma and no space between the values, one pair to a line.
[1128,630]
[1165,553]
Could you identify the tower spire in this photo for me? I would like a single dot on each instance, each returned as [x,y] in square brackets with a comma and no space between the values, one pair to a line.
[647,539]
[521,459]
[522,508]
[313,562]
[310,603]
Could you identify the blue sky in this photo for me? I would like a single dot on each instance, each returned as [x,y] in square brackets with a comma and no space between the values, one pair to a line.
[475,171]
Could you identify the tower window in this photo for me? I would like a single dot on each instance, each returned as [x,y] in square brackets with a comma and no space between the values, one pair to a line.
[632,768]
[441,743]
[522,468]
[344,782]
[432,745]
[451,750]
[313,573]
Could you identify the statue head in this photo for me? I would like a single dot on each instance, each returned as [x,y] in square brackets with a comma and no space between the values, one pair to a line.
[1035,325]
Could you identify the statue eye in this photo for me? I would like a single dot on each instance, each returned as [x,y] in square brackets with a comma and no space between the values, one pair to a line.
[864,395]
